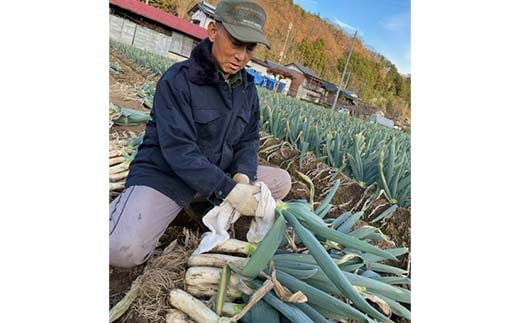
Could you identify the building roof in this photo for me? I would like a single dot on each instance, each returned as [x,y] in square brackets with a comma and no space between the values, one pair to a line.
[280,67]
[275,67]
[331,87]
[260,61]
[203,6]
[162,17]
[328,86]
[305,70]
[350,94]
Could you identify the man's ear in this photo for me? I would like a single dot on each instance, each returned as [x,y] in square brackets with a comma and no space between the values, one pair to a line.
[212,30]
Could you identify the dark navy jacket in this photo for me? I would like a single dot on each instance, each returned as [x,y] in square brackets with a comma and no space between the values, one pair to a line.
[201,131]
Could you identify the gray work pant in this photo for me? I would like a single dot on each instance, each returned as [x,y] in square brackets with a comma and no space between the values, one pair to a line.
[140,215]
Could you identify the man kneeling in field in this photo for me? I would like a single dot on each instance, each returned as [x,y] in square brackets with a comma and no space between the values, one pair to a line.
[202,140]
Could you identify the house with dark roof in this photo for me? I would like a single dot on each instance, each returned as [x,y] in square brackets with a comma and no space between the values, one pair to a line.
[258,65]
[346,97]
[329,87]
[202,13]
[140,25]
[310,88]
[290,77]
[275,71]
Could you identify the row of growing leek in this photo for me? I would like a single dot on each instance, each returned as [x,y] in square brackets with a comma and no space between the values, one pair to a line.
[366,152]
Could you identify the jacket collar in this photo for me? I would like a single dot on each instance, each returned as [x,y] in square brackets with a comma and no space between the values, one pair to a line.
[202,69]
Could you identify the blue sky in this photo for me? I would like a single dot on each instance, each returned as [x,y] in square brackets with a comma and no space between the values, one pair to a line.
[384,25]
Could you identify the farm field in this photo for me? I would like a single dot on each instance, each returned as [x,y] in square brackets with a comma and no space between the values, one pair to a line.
[364,167]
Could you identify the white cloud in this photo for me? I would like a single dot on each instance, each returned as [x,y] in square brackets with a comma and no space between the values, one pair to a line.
[344,25]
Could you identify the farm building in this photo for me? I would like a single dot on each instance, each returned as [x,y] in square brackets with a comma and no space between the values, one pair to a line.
[258,65]
[310,88]
[345,98]
[285,75]
[145,27]
[202,13]
[282,76]
[351,95]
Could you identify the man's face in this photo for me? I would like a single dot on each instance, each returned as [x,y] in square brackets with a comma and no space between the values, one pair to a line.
[230,54]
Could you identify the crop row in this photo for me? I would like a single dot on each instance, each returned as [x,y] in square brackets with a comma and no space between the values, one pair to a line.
[368,153]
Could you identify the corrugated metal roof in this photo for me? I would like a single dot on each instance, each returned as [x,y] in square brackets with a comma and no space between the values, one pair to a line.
[207,8]
[305,70]
[203,6]
[280,66]
[273,65]
[350,94]
[333,87]
[328,86]
[162,17]
[260,61]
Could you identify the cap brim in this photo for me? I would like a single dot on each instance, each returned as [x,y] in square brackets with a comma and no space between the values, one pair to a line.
[246,34]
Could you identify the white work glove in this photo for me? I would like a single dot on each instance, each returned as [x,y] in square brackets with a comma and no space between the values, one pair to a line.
[242,198]
[241,178]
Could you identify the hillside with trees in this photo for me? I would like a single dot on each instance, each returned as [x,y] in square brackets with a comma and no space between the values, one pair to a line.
[299,36]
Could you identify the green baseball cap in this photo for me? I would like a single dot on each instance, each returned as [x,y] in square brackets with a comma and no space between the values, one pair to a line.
[243,19]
